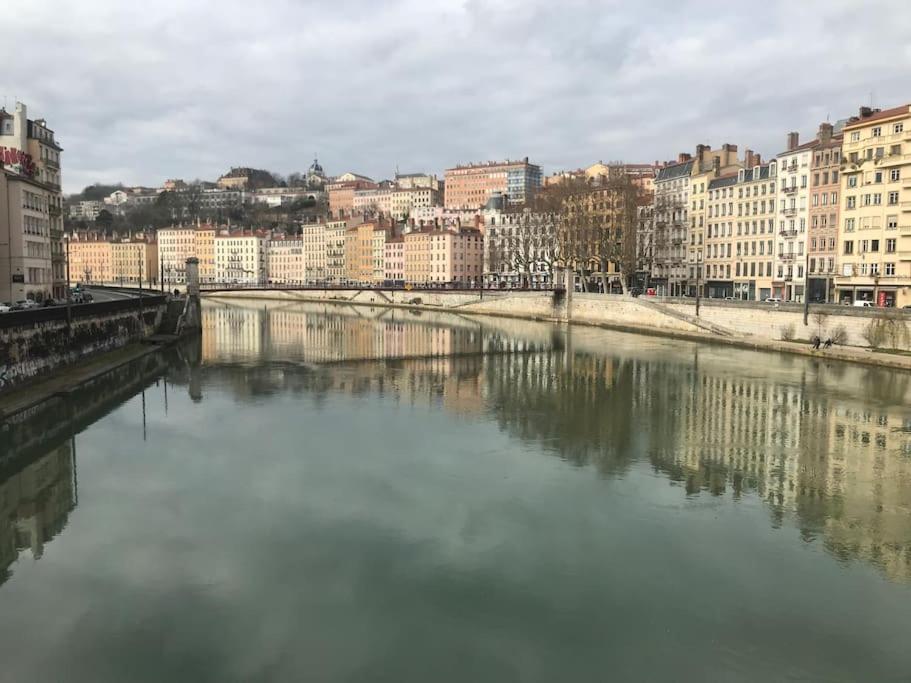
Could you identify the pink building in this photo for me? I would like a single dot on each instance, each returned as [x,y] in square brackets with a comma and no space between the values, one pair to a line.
[395,259]
[435,256]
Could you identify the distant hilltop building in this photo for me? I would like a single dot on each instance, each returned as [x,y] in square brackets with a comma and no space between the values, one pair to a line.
[471,186]
[243,178]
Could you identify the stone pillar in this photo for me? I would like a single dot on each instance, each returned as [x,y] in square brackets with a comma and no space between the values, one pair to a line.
[193,310]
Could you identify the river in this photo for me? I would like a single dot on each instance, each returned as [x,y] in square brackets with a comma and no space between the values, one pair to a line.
[335,493]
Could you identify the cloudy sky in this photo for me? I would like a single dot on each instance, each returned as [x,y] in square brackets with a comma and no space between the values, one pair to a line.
[140,93]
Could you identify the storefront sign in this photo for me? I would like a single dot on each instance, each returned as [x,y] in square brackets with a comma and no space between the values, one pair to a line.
[18,160]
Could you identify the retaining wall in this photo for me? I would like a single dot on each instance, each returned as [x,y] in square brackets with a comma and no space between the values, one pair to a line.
[734,320]
[37,342]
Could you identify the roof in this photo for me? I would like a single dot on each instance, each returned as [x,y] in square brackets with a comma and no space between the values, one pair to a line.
[763,173]
[903,110]
[674,171]
[723,181]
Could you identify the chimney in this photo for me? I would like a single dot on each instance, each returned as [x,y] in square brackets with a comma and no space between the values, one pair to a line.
[825,132]
[683,157]
[757,159]
[866,112]
[716,165]
[700,152]
[793,140]
[748,158]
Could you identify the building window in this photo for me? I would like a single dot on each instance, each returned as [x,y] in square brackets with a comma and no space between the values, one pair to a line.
[895,174]
[849,247]
[889,268]
[850,202]
[898,127]
[893,198]
[891,222]
[890,245]
[876,132]
[855,136]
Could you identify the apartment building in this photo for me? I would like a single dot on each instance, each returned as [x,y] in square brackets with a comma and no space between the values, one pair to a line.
[285,261]
[671,227]
[315,252]
[26,245]
[793,218]
[822,235]
[472,185]
[135,261]
[335,240]
[240,257]
[519,248]
[395,202]
[91,259]
[175,246]
[434,256]
[342,192]
[708,165]
[29,149]
[875,208]
[740,232]
[394,262]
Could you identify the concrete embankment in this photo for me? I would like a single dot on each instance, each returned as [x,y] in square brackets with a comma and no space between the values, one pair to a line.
[743,324]
[38,343]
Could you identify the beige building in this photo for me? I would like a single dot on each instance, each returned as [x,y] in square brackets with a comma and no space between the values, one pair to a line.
[285,261]
[91,259]
[175,246]
[29,149]
[875,208]
[26,267]
[315,252]
[336,271]
[444,257]
[398,203]
[740,232]
[135,262]
[708,165]
[395,260]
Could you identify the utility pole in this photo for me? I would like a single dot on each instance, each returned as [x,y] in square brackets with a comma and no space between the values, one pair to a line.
[139,280]
[698,279]
[806,288]
[69,297]
[161,275]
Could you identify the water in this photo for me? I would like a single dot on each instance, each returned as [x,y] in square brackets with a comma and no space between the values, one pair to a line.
[350,494]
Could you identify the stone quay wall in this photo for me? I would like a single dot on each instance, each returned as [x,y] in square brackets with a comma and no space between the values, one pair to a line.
[38,342]
[746,323]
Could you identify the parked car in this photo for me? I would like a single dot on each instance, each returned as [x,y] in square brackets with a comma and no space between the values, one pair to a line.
[863,304]
[730,298]
[5,308]
[25,305]
[773,299]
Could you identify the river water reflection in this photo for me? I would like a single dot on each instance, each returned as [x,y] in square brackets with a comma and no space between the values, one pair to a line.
[327,493]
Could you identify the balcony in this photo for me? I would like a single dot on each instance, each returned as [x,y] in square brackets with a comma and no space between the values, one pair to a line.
[788,169]
[788,233]
[789,210]
[789,256]
[789,189]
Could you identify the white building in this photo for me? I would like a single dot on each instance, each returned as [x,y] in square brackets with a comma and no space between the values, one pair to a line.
[87,210]
[671,227]
[334,239]
[175,246]
[240,258]
[789,277]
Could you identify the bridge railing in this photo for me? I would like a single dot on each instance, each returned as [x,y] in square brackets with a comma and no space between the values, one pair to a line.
[51,313]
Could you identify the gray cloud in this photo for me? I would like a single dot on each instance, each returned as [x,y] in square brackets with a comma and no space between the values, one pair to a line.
[189,89]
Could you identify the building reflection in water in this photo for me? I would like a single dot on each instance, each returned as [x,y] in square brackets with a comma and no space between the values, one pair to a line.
[827,446]
[35,504]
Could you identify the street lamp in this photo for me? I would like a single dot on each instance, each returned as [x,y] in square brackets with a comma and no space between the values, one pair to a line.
[698,279]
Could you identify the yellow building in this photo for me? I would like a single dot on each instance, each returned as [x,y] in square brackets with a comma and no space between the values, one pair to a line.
[91,259]
[135,262]
[708,165]
[874,244]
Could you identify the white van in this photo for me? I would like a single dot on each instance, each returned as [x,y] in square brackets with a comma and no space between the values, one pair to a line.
[863,304]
